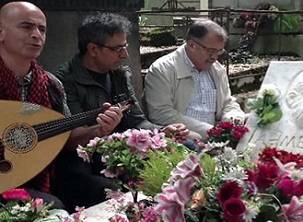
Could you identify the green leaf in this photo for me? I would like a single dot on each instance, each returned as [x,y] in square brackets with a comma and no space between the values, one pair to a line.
[157,169]
[267,213]
[208,165]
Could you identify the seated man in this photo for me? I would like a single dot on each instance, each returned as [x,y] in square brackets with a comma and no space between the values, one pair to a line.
[189,85]
[22,38]
[94,77]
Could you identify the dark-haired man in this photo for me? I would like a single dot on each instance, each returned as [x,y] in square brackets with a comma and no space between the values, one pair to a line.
[91,78]
[189,85]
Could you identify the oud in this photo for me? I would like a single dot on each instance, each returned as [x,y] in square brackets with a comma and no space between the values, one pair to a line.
[32,136]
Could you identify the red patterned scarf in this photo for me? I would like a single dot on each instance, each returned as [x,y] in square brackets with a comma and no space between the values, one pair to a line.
[38,94]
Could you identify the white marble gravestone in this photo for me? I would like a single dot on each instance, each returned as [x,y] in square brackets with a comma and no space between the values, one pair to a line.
[287,133]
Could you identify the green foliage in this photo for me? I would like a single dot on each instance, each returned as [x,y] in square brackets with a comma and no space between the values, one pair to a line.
[288,23]
[208,165]
[268,213]
[157,168]
[19,211]
[123,160]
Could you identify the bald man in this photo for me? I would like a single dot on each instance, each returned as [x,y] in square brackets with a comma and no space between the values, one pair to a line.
[22,38]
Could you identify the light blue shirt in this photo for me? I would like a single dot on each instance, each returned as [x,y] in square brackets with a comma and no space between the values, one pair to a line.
[203,102]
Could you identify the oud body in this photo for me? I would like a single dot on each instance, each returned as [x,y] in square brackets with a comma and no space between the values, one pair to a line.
[22,154]
[31,136]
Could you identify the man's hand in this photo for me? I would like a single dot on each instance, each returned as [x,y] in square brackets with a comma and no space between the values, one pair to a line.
[177,131]
[109,119]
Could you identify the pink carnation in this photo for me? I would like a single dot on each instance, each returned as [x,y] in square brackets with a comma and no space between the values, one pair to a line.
[139,139]
[37,204]
[158,141]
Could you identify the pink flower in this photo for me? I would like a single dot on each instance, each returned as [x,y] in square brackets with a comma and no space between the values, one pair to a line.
[234,210]
[83,154]
[190,167]
[116,136]
[108,173]
[37,204]
[79,215]
[94,142]
[139,139]
[118,218]
[170,207]
[173,199]
[16,194]
[294,210]
[150,215]
[112,194]
[229,190]
[158,141]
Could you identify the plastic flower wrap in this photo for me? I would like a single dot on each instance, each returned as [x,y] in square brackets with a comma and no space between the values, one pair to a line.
[266,105]
[124,155]
[18,206]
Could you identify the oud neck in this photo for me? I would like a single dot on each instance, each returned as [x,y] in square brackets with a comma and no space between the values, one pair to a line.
[56,127]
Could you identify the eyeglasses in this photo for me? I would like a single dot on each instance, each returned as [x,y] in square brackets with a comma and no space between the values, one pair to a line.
[117,49]
[210,51]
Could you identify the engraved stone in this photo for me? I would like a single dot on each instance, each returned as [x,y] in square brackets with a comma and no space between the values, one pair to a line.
[287,133]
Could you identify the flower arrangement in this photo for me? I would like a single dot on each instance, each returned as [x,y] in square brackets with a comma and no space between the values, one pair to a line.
[124,156]
[19,206]
[226,132]
[266,105]
[232,187]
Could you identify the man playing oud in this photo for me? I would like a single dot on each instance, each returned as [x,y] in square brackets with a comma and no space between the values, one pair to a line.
[22,38]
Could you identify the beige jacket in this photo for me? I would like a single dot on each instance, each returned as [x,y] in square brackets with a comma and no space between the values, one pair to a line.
[169,87]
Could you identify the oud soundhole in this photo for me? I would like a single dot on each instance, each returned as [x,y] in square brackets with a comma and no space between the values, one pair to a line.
[20,138]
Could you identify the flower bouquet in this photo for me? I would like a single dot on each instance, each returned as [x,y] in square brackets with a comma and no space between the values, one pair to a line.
[18,206]
[230,187]
[226,133]
[266,105]
[124,156]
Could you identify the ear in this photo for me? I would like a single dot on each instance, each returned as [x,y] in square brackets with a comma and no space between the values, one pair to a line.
[92,49]
[191,45]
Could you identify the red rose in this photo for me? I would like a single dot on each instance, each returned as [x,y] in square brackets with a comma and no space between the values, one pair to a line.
[234,210]
[16,194]
[228,190]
